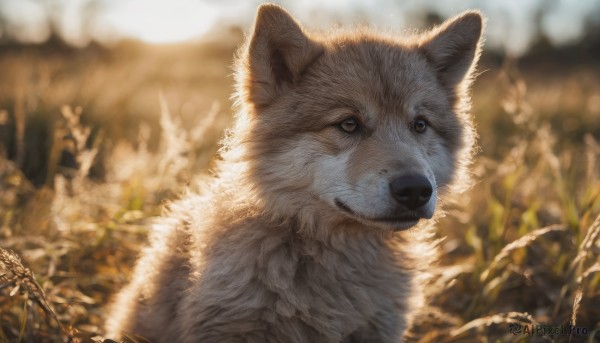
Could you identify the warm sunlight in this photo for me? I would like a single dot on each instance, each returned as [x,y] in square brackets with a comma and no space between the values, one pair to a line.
[156,21]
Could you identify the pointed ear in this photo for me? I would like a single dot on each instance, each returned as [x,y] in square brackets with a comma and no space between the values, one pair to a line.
[454,47]
[277,53]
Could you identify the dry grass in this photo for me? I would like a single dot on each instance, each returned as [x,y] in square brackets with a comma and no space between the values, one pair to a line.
[108,137]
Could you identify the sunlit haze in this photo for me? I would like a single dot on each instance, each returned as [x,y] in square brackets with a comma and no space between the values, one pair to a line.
[512,24]
[157,21]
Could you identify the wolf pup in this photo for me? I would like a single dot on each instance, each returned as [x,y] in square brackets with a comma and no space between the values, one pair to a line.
[344,140]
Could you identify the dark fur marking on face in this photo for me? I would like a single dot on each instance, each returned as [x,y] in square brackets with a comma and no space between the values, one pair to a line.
[410,216]
[343,206]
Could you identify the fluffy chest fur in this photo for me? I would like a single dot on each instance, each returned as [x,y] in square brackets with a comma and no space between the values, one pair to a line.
[276,281]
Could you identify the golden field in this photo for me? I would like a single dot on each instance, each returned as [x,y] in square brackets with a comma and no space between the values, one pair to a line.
[94,142]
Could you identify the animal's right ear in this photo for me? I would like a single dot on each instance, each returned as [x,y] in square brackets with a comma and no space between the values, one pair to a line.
[276,55]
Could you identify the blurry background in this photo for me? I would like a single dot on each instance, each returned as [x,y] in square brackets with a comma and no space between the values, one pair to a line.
[110,108]
[112,57]
[514,26]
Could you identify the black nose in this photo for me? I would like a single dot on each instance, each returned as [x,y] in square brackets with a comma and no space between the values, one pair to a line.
[411,191]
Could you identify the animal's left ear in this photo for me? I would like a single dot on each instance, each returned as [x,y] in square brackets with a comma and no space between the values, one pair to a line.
[454,47]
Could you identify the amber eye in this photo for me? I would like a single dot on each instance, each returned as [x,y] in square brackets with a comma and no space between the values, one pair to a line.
[349,125]
[420,125]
